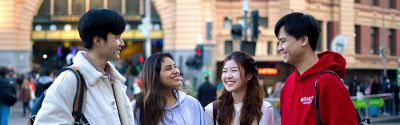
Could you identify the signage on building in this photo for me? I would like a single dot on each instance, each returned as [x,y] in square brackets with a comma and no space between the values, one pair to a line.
[268,71]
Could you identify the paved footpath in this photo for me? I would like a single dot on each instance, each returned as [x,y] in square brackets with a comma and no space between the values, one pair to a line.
[16,117]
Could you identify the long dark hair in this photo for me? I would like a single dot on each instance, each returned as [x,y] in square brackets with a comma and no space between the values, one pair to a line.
[253,98]
[150,103]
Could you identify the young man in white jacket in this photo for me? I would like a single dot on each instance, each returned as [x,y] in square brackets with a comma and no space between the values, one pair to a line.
[105,101]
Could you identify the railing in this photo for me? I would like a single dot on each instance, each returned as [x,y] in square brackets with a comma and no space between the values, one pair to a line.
[360,102]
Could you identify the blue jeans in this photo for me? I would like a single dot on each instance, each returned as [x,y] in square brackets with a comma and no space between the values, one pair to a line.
[4,114]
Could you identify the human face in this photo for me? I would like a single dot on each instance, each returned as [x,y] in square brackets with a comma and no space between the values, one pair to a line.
[112,47]
[170,76]
[232,77]
[289,47]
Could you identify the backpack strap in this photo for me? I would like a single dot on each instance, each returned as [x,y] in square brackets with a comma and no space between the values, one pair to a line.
[215,111]
[79,96]
[316,104]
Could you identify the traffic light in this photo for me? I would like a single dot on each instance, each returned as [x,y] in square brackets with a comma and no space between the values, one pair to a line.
[196,62]
[236,32]
[254,27]
[137,62]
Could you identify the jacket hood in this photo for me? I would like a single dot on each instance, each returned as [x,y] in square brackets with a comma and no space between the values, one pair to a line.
[181,98]
[45,80]
[328,60]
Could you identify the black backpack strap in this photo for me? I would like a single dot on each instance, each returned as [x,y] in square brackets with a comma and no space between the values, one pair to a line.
[319,120]
[316,104]
[79,97]
[215,111]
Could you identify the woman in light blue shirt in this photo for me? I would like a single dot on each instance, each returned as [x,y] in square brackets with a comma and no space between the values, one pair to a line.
[160,102]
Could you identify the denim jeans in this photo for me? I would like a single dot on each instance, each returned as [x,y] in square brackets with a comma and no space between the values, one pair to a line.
[4,114]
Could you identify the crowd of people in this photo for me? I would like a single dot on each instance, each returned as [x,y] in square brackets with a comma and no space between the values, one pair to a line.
[308,96]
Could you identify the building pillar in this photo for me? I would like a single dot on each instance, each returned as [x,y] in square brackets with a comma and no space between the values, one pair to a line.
[346,17]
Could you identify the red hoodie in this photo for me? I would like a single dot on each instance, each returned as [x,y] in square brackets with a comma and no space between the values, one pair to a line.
[297,96]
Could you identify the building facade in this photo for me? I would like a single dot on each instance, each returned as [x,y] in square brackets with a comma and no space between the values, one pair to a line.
[370,27]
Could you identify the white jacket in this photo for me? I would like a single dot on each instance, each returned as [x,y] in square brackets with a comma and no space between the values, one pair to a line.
[100,107]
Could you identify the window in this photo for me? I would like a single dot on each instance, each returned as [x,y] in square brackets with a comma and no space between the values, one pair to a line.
[78,7]
[319,46]
[228,47]
[96,4]
[392,4]
[132,7]
[263,22]
[269,46]
[227,23]
[60,7]
[115,5]
[374,3]
[392,42]
[374,40]
[209,26]
[45,8]
[329,34]
[153,10]
[357,39]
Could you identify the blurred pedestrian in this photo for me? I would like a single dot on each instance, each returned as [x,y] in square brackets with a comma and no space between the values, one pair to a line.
[277,94]
[241,101]
[44,82]
[353,84]
[395,89]
[206,92]
[161,102]
[106,102]
[7,95]
[25,96]
[374,88]
[298,36]
[388,101]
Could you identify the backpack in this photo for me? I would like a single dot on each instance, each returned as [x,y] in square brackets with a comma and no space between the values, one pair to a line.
[78,100]
[8,87]
[365,121]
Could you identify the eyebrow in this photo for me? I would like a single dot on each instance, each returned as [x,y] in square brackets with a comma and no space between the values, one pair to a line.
[230,67]
[281,39]
[169,65]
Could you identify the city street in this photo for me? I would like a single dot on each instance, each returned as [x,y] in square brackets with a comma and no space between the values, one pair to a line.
[16,118]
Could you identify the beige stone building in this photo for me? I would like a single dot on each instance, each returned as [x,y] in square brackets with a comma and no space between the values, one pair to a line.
[186,23]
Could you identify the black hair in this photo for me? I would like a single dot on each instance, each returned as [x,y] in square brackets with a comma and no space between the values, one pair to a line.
[99,22]
[298,25]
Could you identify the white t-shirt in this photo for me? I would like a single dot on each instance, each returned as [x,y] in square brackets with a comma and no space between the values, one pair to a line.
[267,117]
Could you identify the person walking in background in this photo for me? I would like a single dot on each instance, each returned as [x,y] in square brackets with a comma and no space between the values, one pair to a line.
[25,96]
[298,35]
[206,92]
[43,82]
[277,94]
[353,84]
[105,101]
[395,89]
[373,89]
[241,101]
[7,93]
[387,87]
[161,102]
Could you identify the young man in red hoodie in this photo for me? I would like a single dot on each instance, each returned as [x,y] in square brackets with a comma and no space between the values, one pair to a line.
[298,36]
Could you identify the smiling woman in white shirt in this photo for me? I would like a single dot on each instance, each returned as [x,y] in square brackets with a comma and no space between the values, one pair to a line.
[241,101]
